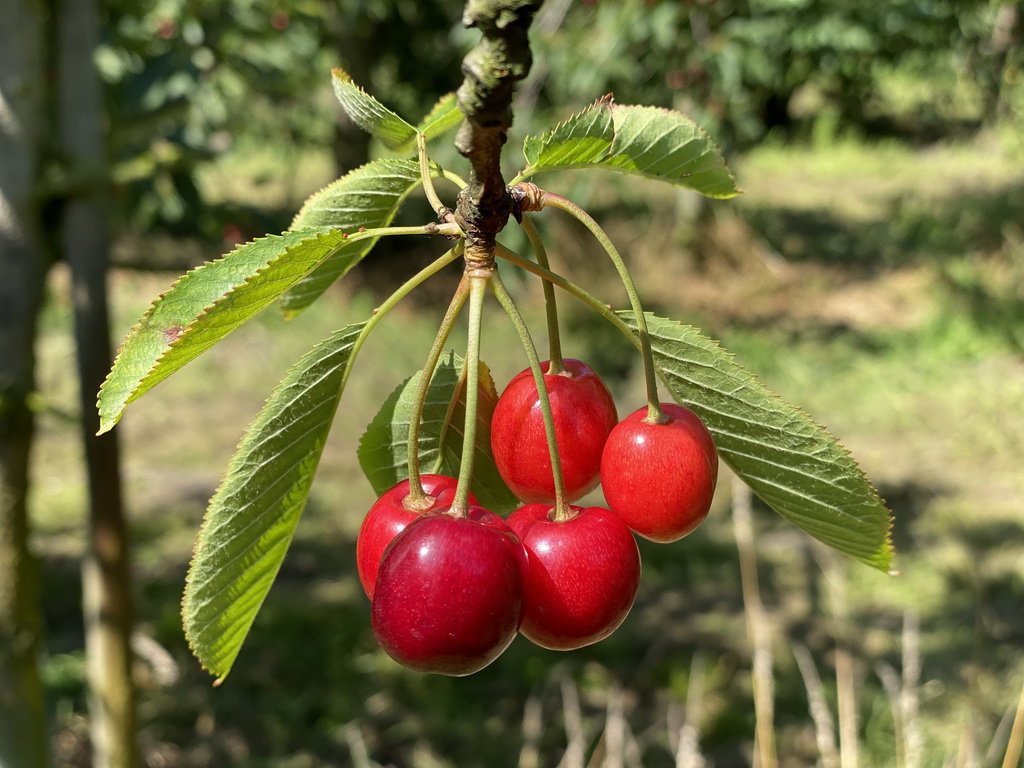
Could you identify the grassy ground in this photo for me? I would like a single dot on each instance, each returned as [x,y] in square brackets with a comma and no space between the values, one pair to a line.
[877,286]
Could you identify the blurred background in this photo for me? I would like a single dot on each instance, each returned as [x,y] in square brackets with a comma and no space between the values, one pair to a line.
[873,273]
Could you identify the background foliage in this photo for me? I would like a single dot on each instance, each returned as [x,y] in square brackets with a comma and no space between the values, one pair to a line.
[873,272]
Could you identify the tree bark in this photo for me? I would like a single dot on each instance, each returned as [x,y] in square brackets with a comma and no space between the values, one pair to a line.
[23,732]
[491,71]
[106,571]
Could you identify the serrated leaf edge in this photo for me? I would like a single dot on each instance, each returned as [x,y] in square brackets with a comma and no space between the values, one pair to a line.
[224,476]
[183,333]
[608,102]
[887,548]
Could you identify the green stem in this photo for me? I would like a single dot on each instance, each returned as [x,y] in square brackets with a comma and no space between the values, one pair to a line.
[418,500]
[571,288]
[550,308]
[442,211]
[426,229]
[403,290]
[562,510]
[453,403]
[477,286]
[654,413]
[454,178]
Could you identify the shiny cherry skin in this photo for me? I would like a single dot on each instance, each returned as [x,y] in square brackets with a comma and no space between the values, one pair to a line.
[584,574]
[389,516]
[660,478]
[449,593]
[583,412]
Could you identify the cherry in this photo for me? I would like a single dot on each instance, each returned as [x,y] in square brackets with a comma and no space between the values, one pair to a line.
[660,478]
[583,412]
[449,593]
[388,517]
[584,574]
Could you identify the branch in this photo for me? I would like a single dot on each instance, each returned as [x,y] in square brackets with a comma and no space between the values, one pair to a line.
[491,71]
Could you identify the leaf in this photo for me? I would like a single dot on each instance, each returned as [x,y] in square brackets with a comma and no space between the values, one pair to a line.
[207,304]
[793,464]
[444,116]
[367,197]
[488,486]
[370,115]
[646,141]
[383,449]
[252,517]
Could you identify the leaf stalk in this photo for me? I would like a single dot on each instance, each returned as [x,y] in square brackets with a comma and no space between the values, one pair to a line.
[654,413]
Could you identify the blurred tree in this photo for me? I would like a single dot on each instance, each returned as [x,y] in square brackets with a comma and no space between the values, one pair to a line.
[187,80]
[736,65]
[22,272]
[82,213]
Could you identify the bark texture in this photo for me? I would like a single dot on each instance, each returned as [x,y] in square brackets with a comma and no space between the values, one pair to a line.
[491,71]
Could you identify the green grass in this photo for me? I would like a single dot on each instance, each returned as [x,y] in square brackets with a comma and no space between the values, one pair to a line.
[876,286]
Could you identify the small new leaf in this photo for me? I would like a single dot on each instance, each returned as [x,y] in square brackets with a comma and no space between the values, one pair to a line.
[444,116]
[793,464]
[656,143]
[252,517]
[207,304]
[370,115]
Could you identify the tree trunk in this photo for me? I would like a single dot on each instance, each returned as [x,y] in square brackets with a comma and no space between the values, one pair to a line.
[106,571]
[23,732]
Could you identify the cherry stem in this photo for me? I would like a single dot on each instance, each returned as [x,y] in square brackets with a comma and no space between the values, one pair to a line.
[400,293]
[477,286]
[453,402]
[418,500]
[604,310]
[550,309]
[443,212]
[569,287]
[654,413]
[562,509]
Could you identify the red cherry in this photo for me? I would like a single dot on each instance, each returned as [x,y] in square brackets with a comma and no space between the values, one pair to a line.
[449,593]
[583,577]
[660,478]
[388,517]
[583,412]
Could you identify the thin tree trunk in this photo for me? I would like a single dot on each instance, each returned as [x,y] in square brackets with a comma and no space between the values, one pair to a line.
[23,731]
[106,571]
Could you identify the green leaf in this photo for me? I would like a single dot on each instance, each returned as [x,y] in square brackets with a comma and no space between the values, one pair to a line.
[367,197]
[370,115]
[444,116]
[383,449]
[793,464]
[207,304]
[656,143]
[252,517]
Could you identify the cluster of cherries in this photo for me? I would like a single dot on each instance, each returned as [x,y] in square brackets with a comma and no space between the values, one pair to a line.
[450,590]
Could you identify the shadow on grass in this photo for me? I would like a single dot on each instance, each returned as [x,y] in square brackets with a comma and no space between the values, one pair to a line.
[911,229]
[310,678]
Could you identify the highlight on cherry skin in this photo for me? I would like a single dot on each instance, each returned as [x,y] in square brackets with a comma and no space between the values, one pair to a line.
[583,413]
[660,478]
[449,592]
[389,516]
[583,578]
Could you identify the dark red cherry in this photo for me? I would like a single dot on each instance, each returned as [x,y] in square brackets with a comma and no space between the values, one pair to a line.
[389,516]
[449,592]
